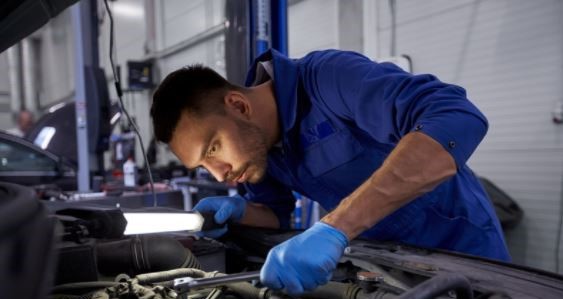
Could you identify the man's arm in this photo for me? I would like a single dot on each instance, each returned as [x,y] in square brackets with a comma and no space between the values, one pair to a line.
[434,126]
[416,166]
[259,215]
[268,204]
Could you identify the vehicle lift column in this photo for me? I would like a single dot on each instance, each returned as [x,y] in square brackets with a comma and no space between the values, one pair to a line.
[84,20]
[268,19]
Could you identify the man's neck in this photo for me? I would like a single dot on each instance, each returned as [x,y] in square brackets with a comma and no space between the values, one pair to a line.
[266,111]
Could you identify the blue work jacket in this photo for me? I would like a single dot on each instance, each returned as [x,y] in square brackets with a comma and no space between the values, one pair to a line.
[341,114]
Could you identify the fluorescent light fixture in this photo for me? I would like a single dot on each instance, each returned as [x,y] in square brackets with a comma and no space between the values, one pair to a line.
[128,10]
[146,223]
[44,137]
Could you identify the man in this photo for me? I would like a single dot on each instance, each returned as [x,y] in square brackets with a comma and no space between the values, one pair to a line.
[24,120]
[382,150]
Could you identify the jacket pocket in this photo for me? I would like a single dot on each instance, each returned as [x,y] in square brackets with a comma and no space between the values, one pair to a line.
[335,150]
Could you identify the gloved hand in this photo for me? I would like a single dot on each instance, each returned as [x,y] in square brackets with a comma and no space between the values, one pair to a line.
[225,208]
[305,261]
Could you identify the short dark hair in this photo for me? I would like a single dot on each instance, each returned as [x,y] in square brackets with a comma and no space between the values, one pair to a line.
[196,89]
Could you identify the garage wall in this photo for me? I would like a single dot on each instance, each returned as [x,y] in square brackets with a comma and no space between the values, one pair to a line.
[183,20]
[508,55]
[55,59]
[312,25]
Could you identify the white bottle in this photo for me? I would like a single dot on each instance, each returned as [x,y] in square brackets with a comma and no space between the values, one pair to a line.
[129,173]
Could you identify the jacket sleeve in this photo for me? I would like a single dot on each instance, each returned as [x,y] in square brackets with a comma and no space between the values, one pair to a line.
[388,103]
[275,196]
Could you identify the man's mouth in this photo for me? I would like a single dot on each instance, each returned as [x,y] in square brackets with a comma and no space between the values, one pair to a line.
[239,176]
[242,177]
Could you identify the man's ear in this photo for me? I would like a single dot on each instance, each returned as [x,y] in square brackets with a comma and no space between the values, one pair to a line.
[238,103]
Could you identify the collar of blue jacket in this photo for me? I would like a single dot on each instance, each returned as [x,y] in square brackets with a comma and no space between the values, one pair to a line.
[283,68]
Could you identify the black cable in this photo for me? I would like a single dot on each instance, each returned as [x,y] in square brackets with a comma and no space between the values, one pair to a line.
[439,285]
[120,97]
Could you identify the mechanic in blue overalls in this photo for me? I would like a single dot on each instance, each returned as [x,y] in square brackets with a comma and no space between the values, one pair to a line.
[382,150]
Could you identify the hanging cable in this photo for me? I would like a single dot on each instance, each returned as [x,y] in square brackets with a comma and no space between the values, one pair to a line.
[119,92]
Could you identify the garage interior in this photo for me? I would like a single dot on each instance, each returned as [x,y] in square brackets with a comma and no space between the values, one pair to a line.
[507,54]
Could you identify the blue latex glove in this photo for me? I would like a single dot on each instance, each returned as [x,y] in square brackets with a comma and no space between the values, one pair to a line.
[225,208]
[305,261]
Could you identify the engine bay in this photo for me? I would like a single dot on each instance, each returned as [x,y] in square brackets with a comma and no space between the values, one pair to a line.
[61,256]
[367,270]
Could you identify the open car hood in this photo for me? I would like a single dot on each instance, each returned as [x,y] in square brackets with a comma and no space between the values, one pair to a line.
[18,18]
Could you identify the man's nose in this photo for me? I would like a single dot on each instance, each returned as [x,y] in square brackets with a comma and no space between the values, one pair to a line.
[219,169]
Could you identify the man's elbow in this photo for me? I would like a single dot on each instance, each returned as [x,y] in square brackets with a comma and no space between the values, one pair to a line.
[477,123]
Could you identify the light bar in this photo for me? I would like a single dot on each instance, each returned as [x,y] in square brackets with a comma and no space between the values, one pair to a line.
[146,223]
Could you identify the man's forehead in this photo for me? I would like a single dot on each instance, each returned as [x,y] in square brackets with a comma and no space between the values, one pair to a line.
[190,138]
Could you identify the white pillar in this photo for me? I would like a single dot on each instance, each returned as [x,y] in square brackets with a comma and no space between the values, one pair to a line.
[371,35]
[80,98]
[14,70]
[29,71]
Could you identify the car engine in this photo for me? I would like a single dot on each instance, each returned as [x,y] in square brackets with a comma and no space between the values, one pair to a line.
[66,256]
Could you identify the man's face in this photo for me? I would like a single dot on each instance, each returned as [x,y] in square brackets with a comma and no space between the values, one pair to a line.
[231,148]
[25,121]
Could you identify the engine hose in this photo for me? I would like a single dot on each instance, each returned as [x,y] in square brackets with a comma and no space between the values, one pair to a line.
[334,290]
[331,290]
[172,274]
[82,286]
[142,254]
[56,296]
[247,290]
[381,294]
[440,284]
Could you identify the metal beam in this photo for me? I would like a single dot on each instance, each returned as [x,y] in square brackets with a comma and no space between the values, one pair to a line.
[279,26]
[190,42]
[262,28]
[15,69]
[80,51]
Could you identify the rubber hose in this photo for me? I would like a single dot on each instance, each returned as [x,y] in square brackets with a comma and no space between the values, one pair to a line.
[440,284]
[141,254]
[331,290]
[380,294]
[87,286]
[337,290]
[70,296]
[246,290]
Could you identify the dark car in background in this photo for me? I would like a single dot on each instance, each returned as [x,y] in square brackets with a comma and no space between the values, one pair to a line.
[22,162]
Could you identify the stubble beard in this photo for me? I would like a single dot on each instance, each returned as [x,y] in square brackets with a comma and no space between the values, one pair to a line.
[256,147]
